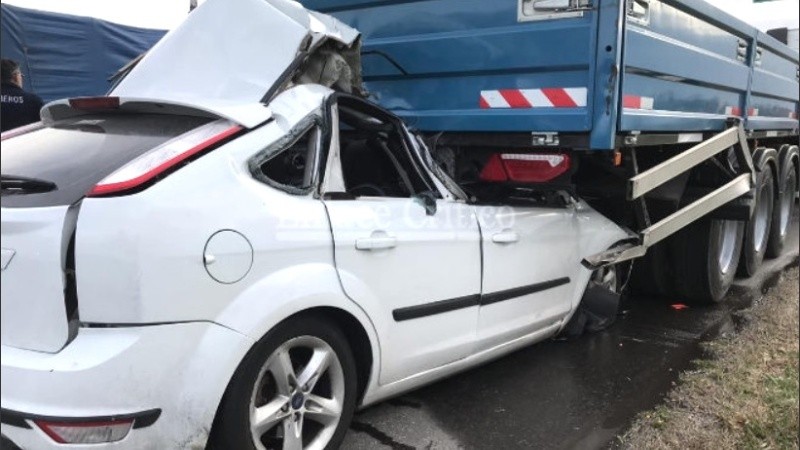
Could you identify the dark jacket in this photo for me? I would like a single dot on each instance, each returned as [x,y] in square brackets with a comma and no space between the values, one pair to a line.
[18,107]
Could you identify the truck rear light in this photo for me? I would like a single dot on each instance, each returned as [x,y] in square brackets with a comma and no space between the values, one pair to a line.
[493,170]
[525,167]
[161,159]
[86,432]
[94,103]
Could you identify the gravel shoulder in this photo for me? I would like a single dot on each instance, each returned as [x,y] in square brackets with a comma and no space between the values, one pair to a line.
[744,394]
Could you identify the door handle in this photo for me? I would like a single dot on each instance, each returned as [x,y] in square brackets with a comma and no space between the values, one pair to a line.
[378,241]
[505,237]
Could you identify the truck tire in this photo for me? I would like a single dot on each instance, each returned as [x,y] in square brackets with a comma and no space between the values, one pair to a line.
[785,205]
[652,274]
[758,228]
[706,254]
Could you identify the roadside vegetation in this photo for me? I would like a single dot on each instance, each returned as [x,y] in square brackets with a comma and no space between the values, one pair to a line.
[745,396]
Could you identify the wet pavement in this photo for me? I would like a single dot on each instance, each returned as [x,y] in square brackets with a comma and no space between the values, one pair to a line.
[561,395]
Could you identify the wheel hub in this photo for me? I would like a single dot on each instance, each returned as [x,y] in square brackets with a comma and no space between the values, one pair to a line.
[298,399]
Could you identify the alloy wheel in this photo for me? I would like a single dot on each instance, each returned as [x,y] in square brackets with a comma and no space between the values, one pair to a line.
[298,397]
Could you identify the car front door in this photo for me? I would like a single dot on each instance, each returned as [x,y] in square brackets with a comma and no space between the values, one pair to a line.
[406,253]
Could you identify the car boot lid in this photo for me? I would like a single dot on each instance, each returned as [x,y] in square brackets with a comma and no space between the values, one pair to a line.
[230,57]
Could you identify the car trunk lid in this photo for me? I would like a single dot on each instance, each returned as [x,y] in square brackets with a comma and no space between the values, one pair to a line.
[238,52]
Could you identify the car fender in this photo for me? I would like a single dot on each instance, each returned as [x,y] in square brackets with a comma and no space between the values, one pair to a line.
[595,233]
[292,290]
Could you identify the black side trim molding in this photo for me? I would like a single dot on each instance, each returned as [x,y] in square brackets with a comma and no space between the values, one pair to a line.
[443,306]
[429,309]
[494,297]
[141,419]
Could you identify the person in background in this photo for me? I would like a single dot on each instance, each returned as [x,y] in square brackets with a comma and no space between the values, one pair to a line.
[18,107]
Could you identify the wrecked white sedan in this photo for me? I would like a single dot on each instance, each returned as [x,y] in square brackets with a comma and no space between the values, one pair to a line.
[235,246]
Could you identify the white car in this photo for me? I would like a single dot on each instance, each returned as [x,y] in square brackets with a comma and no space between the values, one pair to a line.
[231,248]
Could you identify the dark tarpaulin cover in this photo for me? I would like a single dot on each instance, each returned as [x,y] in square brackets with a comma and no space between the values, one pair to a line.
[69,56]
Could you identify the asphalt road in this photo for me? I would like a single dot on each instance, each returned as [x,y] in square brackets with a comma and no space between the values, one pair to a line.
[560,395]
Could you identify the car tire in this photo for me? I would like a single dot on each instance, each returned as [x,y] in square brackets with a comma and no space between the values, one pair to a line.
[301,377]
[706,255]
[600,311]
[757,232]
[783,210]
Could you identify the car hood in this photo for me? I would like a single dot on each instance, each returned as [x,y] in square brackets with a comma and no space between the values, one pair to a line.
[229,53]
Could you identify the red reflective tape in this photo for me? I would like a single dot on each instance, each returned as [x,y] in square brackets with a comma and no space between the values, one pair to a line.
[515,98]
[559,98]
[483,103]
[632,101]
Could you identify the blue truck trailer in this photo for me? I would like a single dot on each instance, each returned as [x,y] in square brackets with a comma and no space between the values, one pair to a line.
[679,120]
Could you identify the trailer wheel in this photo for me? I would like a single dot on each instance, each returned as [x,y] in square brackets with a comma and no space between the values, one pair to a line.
[784,208]
[706,255]
[758,228]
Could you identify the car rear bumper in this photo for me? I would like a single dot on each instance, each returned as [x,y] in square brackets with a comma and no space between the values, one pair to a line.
[179,370]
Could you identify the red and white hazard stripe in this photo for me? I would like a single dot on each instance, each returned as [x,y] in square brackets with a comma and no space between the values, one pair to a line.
[737,111]
[733,111]
[534,98]
[637,102]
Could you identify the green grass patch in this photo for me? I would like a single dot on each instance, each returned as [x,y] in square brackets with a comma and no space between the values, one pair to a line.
[778,427]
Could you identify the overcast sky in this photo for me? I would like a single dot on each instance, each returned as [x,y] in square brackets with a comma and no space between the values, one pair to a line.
[165,14]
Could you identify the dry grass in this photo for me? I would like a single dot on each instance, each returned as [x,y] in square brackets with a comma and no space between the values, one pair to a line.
[745,397]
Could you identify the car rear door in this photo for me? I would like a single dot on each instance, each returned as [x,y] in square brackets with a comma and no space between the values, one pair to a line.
[415,271]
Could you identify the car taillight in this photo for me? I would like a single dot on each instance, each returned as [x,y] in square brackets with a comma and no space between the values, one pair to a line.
[20,130]
[166,156]
[525,167]
[86,432]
